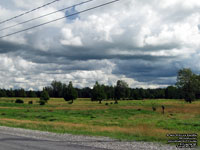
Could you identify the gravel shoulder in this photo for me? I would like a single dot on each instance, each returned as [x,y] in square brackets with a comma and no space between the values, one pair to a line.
[96,142]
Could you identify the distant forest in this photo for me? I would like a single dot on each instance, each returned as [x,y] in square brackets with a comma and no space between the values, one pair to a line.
[170,92]
[187,87]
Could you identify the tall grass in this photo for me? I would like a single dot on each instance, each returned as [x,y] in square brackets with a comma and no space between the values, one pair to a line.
[128,120]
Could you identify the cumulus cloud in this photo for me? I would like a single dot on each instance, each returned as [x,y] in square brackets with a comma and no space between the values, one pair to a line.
[142,42]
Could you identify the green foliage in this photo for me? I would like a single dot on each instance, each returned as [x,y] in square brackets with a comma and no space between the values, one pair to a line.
[173,92]
[10,93]
[109,92]
[44,96]
[57,88]
[19,101]
[187,81]
[70,93]
[98,93]
[42,102]
[122,90]
[21,93]
[31,94]
[3,93]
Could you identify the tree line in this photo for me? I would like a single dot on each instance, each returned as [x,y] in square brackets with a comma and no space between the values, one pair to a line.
[57,90]
[187,87]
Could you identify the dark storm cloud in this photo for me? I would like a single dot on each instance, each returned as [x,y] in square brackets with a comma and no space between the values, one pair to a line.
[6,47]
[76,54]
[145,41]
[147,71]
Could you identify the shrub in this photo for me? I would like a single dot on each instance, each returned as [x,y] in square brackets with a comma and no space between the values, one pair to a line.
[19,101]
[154,108]
[42,102]
[116,102]
[3,114]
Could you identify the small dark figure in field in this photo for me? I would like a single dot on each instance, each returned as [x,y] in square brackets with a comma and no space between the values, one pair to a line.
[111,103]
[163,109]
[3,114]
[19,101]
[106,104]
[154,108]
[116,102]
[30,102]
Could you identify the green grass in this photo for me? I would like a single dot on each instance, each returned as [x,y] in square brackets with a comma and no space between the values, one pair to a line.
[128,120]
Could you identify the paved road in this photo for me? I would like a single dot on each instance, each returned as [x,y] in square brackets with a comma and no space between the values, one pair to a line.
[12,142]
[23,139]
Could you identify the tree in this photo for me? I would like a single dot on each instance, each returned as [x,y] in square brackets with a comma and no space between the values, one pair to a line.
[2,93]
[44,96]
[86,92]
[187,82]
[70,93]
[31,94]
[98,93]
[197,94]
[10,93]
[49,89]
[57,88]
[172,92]
[121,90]
[135,94]
[109,91]
[20,93]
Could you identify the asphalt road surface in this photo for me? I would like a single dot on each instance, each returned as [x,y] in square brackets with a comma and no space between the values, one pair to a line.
[24,139]
[13,142]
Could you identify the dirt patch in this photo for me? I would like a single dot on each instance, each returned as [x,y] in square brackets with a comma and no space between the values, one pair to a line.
[12,108]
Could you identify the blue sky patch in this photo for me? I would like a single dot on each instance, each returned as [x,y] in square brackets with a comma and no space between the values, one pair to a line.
[70,12]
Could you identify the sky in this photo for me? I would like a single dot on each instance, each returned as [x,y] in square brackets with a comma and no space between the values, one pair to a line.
[143,42]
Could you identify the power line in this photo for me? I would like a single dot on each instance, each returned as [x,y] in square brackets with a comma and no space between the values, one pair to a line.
[98,6]
[28,11]
[44,15]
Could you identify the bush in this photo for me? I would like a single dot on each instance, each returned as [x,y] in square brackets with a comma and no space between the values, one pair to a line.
[19,101]
[116,102]
[153,108]
[42,102]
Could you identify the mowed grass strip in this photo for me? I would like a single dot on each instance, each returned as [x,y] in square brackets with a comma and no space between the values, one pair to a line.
[129,120]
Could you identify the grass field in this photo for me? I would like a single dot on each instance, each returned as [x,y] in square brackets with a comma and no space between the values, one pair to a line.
[128,120]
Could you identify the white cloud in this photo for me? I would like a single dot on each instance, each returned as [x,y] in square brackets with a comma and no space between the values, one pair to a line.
[70,39]
[143,42]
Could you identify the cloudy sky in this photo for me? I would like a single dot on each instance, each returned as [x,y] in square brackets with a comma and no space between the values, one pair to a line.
[144,42]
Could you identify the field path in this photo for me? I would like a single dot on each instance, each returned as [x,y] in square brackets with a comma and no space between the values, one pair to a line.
[21,139]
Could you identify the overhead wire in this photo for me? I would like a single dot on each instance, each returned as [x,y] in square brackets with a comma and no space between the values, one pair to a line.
[27,21]
[27,12]
[66,16]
